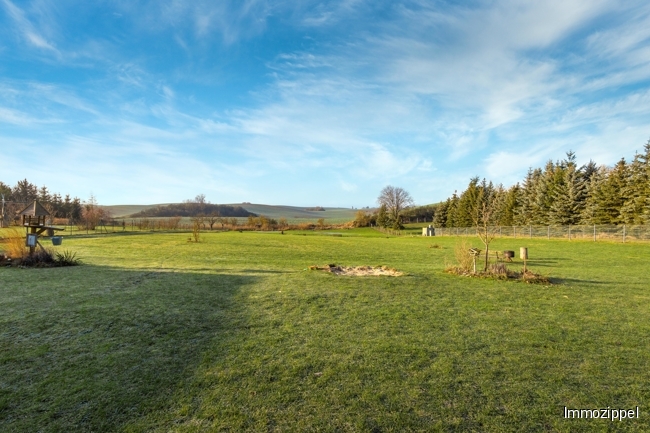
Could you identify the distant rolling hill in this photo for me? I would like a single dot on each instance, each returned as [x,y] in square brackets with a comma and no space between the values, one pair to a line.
[295,212]
[123,210]
[333,214]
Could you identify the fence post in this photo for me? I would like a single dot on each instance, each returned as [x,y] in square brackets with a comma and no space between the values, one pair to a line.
[569,231]
[530,231]
[514,231]
[623,233]
[594,232]
[548,232]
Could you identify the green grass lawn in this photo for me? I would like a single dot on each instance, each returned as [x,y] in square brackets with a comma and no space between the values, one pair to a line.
[234,334]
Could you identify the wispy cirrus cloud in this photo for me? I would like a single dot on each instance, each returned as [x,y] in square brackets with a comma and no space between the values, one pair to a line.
[25,29]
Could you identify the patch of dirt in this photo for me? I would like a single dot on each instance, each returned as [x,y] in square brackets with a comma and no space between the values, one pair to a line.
[358,271]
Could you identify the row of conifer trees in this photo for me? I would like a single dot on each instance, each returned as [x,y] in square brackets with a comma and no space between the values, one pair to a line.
[561,193]
[24,192]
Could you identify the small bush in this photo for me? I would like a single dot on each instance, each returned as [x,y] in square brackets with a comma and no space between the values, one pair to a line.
[40,259]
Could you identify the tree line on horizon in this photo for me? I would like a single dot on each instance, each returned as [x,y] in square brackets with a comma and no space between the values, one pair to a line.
[191,209]
[25,192]
[561,193]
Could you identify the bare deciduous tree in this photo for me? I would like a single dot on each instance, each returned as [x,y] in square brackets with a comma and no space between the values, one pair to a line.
[197,225]
[396,200]
[484,217]
[93,214]
[213,218]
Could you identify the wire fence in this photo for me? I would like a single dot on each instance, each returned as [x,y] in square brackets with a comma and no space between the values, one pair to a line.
[133,225]
[617,233]
[68,227]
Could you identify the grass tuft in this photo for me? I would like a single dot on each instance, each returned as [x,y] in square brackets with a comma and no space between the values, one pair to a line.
[67,258]
[13,243]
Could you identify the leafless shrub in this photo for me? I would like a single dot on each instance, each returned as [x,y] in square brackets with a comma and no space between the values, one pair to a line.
[499,268]
[197,225]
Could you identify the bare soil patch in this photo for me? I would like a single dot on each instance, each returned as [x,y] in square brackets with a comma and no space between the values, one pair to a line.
[358,271]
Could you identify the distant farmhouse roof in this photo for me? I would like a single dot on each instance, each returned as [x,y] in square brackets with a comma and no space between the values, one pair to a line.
[34,210]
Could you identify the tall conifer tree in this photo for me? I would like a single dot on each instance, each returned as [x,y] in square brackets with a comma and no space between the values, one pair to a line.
[569,195]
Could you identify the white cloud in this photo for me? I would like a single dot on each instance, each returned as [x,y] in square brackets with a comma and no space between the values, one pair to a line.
[16,117]
[26,29]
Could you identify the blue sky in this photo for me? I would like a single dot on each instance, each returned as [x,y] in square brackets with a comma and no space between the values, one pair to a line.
[313,102]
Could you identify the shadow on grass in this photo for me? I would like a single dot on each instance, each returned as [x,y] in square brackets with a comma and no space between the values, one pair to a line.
[264,271]
[579,281]
[545,261]
[106,346]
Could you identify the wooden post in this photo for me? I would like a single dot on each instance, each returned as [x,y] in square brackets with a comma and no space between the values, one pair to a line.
[530,231]
[523,254]
[569,231]
[548,232]
[594,232]
[623,233]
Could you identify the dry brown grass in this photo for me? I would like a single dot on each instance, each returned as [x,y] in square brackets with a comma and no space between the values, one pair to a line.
[464,260]
[13,243]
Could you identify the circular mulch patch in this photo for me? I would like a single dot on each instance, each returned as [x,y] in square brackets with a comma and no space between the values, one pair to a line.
[358,270]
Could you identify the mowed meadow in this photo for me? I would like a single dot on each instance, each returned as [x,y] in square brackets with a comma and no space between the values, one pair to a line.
[235,333]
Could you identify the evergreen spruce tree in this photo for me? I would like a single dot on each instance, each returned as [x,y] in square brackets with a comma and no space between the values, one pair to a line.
[588,170]
[526,198]
[634,193]
[44,196]
[645,159]
[467,204]
[451,211]
[382,217]
[569,195]
[637,190]
[544,192]
[24,191]
[606,198]
[592,192]
[508,206]
[440,217]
